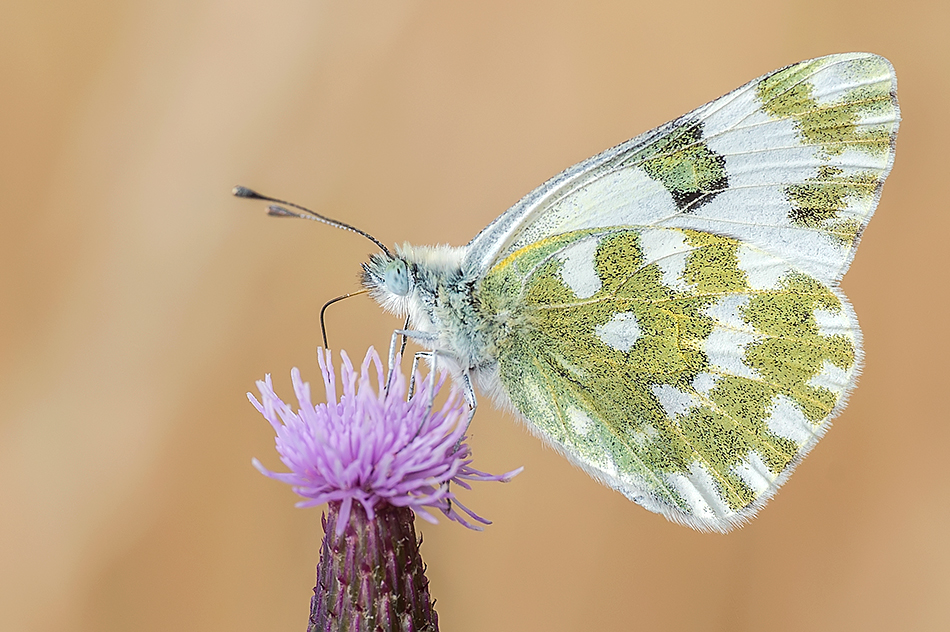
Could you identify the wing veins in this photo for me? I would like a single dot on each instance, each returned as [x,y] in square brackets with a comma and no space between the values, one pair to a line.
[587,172]
[579,391]
[608,169]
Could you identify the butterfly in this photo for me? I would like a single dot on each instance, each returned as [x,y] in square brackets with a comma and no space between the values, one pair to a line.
[666,314]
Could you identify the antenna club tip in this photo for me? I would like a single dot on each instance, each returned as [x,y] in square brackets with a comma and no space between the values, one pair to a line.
[243,192]
[279,211]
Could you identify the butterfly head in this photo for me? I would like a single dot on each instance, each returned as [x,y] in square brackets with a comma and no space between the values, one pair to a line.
[390,280]
[407,281]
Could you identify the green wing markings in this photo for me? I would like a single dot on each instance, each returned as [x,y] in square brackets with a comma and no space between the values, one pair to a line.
[860,115]
[713,268]
[818,202]
[686,166]
[836,126]
[794,350]
[593,391]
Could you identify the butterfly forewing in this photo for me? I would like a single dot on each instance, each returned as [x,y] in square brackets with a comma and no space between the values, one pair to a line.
[687,370]
[792,162]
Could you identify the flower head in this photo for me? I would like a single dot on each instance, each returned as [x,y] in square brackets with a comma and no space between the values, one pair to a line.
[371,445]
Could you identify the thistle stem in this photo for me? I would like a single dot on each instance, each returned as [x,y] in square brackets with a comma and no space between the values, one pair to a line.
[371,577]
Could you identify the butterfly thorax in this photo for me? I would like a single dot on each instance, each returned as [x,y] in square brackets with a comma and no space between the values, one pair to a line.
[430,285]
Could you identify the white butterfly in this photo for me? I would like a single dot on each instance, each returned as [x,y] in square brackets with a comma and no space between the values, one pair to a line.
[666,313]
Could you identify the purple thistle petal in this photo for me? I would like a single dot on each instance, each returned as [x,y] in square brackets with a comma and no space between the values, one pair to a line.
[370,445]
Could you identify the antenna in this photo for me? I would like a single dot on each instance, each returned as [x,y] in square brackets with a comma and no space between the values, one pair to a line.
[280,211]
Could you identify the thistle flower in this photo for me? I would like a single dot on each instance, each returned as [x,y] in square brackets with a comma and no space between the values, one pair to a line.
[377,459]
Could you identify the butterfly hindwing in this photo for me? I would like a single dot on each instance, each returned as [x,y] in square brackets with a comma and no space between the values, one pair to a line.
[689,371]
[792,162]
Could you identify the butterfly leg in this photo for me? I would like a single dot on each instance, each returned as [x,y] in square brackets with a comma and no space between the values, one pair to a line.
[469,392]
[415,365]
[433,370]
[405,339]
[406,334]
[470,398]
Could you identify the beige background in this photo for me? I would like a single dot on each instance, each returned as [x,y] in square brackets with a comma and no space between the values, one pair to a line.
[139,301]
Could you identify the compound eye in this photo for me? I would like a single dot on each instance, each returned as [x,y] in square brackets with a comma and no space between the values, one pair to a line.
[397,277]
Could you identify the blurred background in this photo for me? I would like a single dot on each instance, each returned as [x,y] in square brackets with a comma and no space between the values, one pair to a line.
[139,302]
